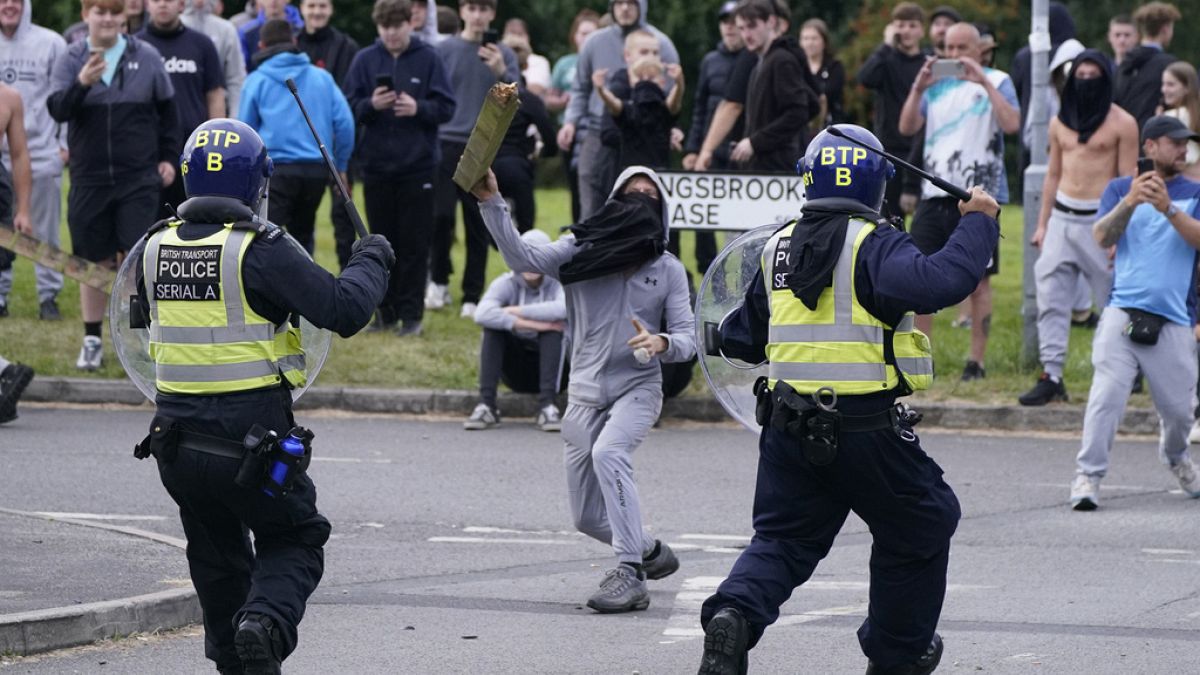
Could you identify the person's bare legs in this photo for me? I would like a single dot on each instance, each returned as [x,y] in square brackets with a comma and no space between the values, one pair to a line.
[981,319]
[92,303]
[924,323]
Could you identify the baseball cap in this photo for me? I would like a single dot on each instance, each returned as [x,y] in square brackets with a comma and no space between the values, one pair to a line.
[1171,127]
[946,11]
[726,9]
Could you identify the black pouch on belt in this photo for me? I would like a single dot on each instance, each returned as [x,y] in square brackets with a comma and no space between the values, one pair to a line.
[162,442]
[252,473]
[762,406]
[819,442]
[1143,327]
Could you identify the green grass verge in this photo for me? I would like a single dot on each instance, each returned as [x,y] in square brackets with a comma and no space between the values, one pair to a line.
[445,356]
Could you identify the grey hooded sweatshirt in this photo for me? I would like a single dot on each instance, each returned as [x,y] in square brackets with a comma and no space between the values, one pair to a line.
[27,59]
[599,310]
[605,48]
[229,47]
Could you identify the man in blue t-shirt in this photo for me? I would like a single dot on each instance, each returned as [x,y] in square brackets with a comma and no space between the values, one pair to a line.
[1152,220]
[191,61]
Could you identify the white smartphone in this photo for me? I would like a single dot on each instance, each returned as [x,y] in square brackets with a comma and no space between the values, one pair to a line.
[943,68]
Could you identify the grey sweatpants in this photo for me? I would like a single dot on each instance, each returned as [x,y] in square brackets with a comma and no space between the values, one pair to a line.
[597,171]
[1068,253]
[1170,368]
[598,448]
[45,213]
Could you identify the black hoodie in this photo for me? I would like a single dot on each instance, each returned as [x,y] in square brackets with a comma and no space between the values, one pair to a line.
[330,49]
[1139,81]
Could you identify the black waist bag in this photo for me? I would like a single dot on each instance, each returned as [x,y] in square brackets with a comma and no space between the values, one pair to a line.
[1144,327]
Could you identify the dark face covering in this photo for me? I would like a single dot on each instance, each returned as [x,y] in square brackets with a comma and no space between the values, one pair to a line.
[1085,103]
[624,234]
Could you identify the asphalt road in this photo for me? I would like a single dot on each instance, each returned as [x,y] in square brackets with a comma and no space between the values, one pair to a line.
[453,552]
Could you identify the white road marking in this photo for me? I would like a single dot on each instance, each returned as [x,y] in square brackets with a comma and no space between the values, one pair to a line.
[1173,560]
[96,516]
[488,540]
[482,529]
[1168,551]
[684,622]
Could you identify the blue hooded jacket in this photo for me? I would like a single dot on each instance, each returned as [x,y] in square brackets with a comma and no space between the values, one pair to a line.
[268,106]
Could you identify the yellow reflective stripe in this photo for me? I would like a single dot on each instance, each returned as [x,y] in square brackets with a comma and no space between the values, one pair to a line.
[212,388]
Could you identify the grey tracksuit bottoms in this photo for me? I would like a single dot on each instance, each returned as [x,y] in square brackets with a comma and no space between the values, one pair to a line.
[598,448]
[45,211]
[1068,253]
[1170,368]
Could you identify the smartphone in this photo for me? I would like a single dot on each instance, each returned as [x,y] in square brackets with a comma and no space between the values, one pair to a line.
[943,68]
[384,81]
[491,36]
[1145,165]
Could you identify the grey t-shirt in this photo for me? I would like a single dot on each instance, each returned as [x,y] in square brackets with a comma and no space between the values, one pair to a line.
[471,79]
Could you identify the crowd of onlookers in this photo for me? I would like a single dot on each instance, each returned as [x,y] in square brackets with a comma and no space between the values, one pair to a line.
[114,97]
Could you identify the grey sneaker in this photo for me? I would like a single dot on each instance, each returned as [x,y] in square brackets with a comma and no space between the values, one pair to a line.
[1186,472]
[662,565]
[482,417]
[409,329]
[1085,492]
[548,419]
[621,591]
[91,355]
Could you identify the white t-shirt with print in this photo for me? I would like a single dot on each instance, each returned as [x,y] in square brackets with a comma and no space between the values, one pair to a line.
[963,140]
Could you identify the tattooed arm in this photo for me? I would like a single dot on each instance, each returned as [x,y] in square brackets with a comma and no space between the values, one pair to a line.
[1107,229]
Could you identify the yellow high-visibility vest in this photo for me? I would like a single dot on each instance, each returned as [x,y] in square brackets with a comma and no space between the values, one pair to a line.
[204,336]
[839,345]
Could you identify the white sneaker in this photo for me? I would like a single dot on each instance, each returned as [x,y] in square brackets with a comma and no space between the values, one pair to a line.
[91,355]
[437,296]
[482,417]
[1194,434]
[1186,472]
[548,419]
[468,310]
[1085,492]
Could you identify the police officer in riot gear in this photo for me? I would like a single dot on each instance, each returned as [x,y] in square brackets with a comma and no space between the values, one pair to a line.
[218,286]
[831,310]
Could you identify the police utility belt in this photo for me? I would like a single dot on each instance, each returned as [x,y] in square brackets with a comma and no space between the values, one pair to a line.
[265,464]
[815,422]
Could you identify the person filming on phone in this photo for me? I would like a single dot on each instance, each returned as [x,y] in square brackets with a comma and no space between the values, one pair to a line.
[399,93]
[475,60]
[890,72]
[966,109]
[1148,321]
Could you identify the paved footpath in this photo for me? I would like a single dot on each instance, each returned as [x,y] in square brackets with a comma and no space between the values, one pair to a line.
[453,552]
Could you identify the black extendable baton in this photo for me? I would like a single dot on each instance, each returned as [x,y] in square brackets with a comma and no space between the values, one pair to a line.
[347,198]
[948,187]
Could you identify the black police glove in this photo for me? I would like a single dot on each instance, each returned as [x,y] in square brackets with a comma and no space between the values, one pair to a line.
[375,246]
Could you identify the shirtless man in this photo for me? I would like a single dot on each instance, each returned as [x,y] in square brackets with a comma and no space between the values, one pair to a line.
[1092,141]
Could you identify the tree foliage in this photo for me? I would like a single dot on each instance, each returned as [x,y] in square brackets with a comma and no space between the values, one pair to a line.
[857,25]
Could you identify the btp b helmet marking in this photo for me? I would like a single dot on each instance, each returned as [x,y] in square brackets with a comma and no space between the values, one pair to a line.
[835,167]
[225,158]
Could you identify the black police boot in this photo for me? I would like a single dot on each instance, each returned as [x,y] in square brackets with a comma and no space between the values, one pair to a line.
[922,666]
[1044,391]
[257,645]
[725,643]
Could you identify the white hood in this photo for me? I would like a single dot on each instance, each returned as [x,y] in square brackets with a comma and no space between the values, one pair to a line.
[632,171]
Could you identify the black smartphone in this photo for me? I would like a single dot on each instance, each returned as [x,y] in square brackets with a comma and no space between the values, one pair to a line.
[1145,165]
[384,81]
[491,36]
